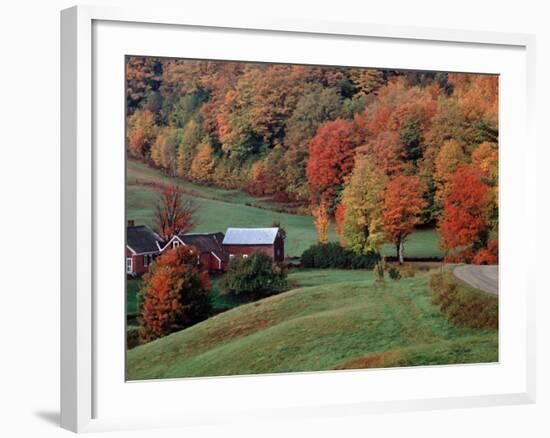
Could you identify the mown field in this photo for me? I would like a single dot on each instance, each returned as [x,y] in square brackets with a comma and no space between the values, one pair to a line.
[221,208]
[332,319]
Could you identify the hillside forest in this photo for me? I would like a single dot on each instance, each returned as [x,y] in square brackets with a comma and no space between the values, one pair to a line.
[378,153]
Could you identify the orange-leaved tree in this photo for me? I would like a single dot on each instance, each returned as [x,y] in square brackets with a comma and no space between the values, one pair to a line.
[173,213]
[322,221]
[450,156]
[403,206]
[463,225]
[340,218]
[175,294]
[142,133]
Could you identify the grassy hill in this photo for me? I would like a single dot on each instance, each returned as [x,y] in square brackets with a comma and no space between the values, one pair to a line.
[222,208]
[332,320]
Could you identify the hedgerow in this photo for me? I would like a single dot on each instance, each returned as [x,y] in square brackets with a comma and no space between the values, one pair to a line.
[462,306]
[332,255]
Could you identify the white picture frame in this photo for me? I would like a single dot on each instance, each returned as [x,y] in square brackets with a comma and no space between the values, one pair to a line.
[87,401]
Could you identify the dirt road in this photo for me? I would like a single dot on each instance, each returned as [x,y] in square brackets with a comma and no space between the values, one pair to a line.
[484,278]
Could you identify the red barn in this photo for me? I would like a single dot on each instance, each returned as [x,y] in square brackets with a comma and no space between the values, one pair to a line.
[241,242]
[142,246]
[212,255]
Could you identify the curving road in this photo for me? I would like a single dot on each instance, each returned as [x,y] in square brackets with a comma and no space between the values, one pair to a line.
[484,278]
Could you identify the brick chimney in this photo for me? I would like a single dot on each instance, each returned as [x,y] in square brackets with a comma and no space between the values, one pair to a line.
[130,222]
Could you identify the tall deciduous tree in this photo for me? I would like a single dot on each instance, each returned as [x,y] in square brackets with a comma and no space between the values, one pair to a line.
[316,106]
[463,225]
[403,206]
[449,158]
[187,146]
[175,294]
[173,213]
[322,221]
[362,200]
[485,161]
[164,151]
[331,159]
[142,133]
[203,163]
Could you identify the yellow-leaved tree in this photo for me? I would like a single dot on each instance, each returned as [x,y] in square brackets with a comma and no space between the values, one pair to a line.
[203,163]
[363,199]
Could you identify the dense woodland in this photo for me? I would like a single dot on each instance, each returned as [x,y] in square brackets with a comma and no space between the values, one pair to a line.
[377,152]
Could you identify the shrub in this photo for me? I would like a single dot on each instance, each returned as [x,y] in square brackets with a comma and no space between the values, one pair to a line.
[332,255]
[394,273]
[325,255]
[463,307]
[132,337]
[175,294]
[253,277]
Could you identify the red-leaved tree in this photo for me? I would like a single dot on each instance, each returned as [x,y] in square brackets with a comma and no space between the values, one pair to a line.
[175,294]
[331,159]
[464,224]
[173,213]
[403,206]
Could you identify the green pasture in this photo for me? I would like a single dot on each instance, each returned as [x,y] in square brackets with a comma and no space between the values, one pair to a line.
[332,319]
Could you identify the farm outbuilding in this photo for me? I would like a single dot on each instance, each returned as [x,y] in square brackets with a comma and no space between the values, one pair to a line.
[143,245]
[241,242]
[212,255]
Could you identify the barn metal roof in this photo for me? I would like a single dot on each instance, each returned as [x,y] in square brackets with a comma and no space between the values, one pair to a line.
[250,236]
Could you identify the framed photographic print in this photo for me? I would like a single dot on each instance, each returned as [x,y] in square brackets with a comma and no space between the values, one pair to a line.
[258,209]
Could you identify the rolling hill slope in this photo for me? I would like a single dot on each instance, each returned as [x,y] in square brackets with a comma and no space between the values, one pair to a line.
[333,324]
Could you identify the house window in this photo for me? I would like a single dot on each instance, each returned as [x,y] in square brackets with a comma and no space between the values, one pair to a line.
[175,244]
[147,259]
[128,265]
[245,256]
[231,256]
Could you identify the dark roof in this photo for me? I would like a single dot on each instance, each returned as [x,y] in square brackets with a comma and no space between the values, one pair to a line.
[206,242]
[250,236]
[142,239]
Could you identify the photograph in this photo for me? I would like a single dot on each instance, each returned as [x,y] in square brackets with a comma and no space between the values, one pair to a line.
[332,217]
[286,218]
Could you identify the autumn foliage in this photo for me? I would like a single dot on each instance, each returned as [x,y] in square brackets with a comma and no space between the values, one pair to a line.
[173,213]
[403,205]
[464,225]
[362,203]
[322,221]
[332,141]
[175,294]
[331,160]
